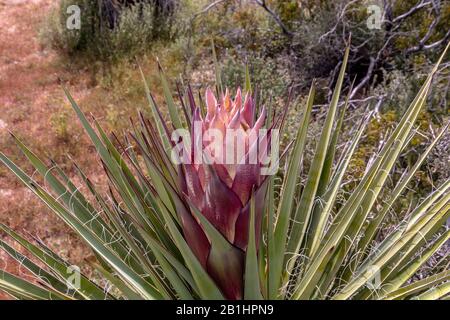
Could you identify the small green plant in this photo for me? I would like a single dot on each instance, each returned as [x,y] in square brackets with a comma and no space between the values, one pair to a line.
[208,230]
[60,125]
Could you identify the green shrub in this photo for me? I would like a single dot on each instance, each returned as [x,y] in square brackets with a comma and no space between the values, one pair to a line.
[110,29]
[271,76]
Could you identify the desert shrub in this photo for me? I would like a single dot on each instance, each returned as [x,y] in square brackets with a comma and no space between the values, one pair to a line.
[270,74]
[311,48]
[111,29]
[408,36]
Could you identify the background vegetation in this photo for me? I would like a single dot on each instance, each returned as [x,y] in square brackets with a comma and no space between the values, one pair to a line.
[285,43]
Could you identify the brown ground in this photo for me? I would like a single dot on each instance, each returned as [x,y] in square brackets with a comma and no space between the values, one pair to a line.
[29,96]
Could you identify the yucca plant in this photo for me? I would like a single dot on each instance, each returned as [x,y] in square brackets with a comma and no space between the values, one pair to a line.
[210,230]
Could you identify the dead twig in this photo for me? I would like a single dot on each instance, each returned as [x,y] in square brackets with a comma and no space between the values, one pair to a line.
[286,31]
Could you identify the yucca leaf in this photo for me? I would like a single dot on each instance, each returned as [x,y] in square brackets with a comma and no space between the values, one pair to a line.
[223,256]
[419,286]
[399,279]
[373,181]
[205,285]
[186,111]
[329,199]
[307,284]
[41,274]
[70,200]
[116,167]
[218,71]
[142,256]
[87,289]
[276,250]
[302,214]
[405,243]
[271,291]
[129,188]
[119,172]
[127,274]
[207,288]
[373,227]
[435,293]
[330,195]
[156,116]
[251,281]
[95,242]
[117,282]
[389,153]
[26,290]
[115,245]
[175,271]
[171,106]
[248,83]
[141,210]
[426,234]
[369,272]
[151,170]
[427,212]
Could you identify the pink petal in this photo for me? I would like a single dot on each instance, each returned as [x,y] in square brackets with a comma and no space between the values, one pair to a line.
[235,122]
[222,206]
[211,104]
[196,238]
[223,174]
[194,235]
[247,176]
[261,120]
[196,137]
[227,100]
[217,123]
[192,186]
[238,98]
[241,239]
[248,110]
